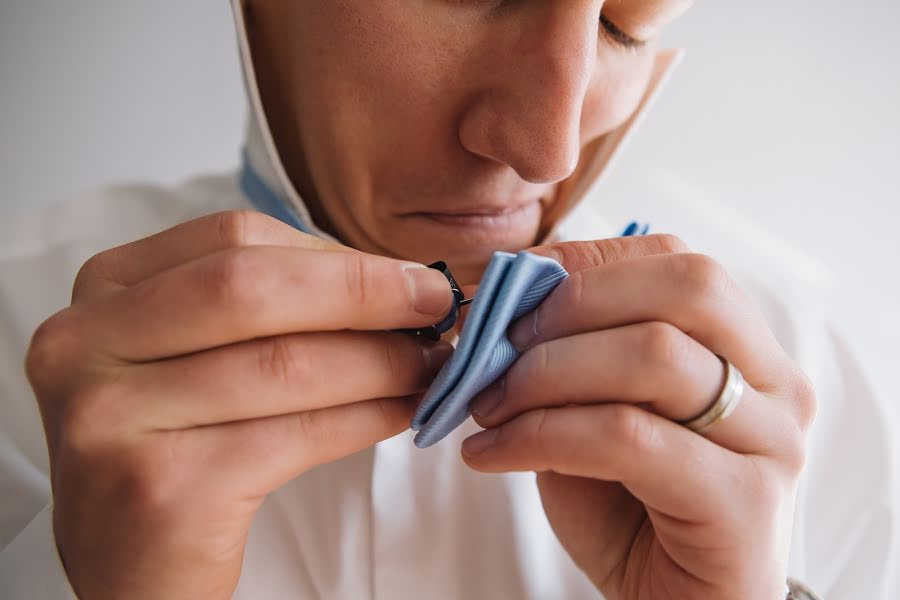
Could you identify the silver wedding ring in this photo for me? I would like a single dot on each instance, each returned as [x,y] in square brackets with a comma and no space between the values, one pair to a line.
[727,400]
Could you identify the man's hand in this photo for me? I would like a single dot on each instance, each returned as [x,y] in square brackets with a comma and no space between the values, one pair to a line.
[198,370]
[621,350]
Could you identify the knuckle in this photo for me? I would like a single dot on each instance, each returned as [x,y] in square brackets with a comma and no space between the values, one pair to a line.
[804,396]
[358,279]
[94,415]
[402,358]
[612,250]
[528,374]
[537,427]
[703,276]
[315,429]
[52,345]
[579,255]
[663,345]
[667,243]
[152,478]
[286,360]
[575,289]
[98,263]
[96,267]
[794,452]
[537,362]
[239,228]
[631,428]
[237,279]
[761,488]
[386,411]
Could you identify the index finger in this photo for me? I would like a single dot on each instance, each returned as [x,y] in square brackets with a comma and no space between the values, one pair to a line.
[577,256]
[263,291]
[131,263]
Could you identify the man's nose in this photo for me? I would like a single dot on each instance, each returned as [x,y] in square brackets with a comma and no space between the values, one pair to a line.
[527,112]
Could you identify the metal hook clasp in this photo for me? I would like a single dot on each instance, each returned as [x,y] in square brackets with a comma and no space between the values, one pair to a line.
[435,331]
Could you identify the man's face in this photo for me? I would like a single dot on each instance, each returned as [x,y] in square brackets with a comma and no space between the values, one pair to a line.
[442,129]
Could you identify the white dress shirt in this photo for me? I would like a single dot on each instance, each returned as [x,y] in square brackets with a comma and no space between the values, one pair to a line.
[397,522]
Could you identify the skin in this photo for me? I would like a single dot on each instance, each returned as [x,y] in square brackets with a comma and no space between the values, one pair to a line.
[417,131]
[392,117]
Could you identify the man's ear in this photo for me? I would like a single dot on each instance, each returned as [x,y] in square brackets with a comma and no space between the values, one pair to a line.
[601,153]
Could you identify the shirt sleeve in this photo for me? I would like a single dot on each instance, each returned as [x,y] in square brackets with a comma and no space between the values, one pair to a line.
[30,567]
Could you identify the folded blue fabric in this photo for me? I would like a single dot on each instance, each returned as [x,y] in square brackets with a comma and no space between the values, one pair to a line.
[512,286]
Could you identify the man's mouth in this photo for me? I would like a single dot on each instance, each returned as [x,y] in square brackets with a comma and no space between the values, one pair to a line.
[496,218]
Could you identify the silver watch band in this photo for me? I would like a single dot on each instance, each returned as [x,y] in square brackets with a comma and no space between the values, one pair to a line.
[799,591]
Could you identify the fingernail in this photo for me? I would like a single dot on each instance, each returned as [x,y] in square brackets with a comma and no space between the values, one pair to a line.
[488,399]
[436,354]
[524,331]
[430,291]
[479,442]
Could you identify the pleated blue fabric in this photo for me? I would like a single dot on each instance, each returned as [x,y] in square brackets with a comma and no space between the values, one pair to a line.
[512,286]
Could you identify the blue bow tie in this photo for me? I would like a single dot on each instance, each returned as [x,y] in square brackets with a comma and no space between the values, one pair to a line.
[512,286]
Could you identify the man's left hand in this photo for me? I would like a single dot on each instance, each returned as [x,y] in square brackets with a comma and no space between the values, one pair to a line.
[622,351]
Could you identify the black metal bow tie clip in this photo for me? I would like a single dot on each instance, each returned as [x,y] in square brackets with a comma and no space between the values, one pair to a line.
[434,332]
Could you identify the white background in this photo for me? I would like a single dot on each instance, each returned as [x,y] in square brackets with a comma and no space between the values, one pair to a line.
[785,115]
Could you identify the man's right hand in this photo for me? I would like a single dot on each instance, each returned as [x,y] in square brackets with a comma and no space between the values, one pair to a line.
[199,369]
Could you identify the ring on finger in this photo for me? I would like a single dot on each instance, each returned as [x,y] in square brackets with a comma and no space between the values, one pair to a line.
[724,404]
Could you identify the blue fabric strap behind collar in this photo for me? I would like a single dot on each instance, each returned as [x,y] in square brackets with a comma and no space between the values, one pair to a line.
[265,200]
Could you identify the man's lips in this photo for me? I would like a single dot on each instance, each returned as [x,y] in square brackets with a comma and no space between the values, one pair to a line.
[498,218]
[479,210]
[484,210]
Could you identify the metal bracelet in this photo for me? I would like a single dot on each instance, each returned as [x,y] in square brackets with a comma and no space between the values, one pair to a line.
[799,591]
